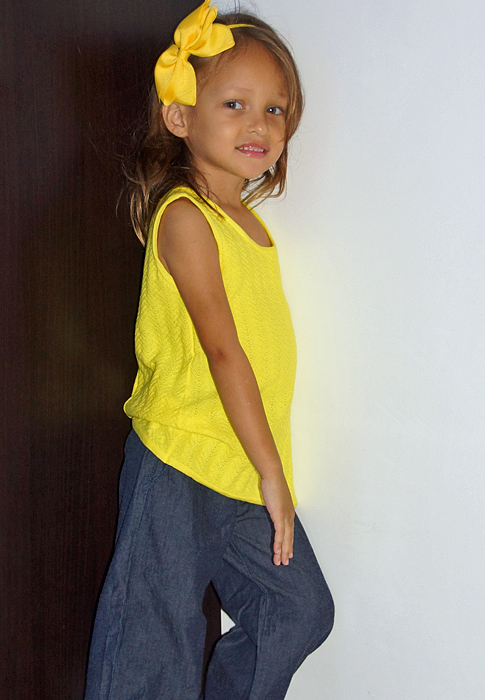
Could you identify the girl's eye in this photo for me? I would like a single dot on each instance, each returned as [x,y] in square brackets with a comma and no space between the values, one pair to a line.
[233,104]
[275,110]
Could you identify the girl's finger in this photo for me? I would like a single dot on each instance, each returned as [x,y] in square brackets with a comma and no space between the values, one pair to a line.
[278,542]
[287,545]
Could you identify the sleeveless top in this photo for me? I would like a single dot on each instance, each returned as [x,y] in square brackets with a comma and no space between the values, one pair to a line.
[175,408]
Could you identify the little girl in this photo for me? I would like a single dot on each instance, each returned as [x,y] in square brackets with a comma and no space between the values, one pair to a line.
[206,488]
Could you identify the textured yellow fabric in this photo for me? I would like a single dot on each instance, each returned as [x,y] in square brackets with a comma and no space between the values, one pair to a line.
[175,407]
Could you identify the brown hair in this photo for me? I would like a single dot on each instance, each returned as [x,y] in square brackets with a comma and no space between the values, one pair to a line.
[161,160]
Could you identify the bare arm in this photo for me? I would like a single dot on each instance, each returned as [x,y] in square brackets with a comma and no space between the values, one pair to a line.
[188,250]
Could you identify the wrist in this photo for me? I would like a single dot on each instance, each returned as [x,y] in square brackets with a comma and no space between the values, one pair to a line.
[276,474]
[271,467]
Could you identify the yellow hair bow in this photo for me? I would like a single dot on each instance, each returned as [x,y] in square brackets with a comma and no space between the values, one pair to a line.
[196,34]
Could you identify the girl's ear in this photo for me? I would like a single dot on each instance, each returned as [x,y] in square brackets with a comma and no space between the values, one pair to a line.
[175,117]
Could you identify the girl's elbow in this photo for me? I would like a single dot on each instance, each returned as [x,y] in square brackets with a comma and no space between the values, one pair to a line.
[219,355]
[215,355]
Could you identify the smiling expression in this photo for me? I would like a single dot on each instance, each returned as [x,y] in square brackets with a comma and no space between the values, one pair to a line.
[236,131]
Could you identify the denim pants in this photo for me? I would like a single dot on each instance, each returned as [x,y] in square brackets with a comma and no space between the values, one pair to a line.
[174,536]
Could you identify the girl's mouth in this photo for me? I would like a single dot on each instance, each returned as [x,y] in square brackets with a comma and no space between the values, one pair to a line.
[253,150]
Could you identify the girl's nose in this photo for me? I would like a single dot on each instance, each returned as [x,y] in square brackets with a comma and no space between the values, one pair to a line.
[258,124]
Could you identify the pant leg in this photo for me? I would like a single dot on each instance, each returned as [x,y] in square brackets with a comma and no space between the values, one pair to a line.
[149,632]
[282,613]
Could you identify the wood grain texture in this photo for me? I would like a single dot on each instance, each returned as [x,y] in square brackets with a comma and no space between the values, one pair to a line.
[74,77]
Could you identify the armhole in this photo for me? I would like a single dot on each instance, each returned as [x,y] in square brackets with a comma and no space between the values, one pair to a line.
[157,218]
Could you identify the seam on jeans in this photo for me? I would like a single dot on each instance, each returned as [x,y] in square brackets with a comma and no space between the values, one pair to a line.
[229,538]
[262,619]
[262,614]
[146,489]
[261,627]
[246,568]
[155,475]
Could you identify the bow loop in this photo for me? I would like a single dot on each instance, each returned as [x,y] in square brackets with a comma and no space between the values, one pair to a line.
[197,34]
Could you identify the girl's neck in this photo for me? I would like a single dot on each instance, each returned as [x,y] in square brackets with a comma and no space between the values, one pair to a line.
[224,191]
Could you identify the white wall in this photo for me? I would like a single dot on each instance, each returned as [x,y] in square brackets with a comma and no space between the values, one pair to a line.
[381,241]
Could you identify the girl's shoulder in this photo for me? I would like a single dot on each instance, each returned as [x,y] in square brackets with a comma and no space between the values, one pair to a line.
[181,205]
[182,212]
[182,194]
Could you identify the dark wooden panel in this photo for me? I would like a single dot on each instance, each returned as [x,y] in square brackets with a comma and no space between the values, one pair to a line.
[75,75]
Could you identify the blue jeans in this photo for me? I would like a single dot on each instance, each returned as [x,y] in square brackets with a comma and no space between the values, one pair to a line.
[175,536]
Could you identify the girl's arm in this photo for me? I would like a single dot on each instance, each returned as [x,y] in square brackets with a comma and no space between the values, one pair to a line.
[187,248]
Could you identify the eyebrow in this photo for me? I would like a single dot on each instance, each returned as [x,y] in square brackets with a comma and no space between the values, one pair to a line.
[243,89]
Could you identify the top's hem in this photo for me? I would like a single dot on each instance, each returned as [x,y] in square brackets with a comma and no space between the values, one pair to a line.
[167,458]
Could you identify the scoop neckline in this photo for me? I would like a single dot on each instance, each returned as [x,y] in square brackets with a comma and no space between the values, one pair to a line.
[234,223]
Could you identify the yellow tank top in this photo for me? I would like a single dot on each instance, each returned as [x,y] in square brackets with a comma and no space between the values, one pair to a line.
[175,408]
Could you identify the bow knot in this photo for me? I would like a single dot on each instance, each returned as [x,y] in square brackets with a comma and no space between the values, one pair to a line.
[198,35]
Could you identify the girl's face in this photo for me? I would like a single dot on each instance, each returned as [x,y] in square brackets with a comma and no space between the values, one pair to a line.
[236,131]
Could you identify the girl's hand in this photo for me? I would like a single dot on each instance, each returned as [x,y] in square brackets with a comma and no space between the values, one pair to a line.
[280,508]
